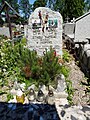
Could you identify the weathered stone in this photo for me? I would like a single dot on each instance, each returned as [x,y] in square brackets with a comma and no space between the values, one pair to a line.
[45,30]
[86,109]
[63,113]
[60,94]
[73,118]
[5,31]
[68,29]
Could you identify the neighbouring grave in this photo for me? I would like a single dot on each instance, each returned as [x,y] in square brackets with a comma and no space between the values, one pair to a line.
[68,29]
[5,31]
[44,30]
[82,28]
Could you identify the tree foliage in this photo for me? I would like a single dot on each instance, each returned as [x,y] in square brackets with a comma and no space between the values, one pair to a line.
[70,8]
[87,5]
[39,3]
[13,3]
[25,8]
[51,3]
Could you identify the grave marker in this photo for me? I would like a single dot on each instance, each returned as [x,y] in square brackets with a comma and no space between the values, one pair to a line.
[45,30]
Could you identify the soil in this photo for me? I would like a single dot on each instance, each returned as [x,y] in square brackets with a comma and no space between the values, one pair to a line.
[77,77]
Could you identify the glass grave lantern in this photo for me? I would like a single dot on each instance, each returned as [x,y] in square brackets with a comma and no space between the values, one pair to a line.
[50,97]
[31,95]
[20,96]
[40,96]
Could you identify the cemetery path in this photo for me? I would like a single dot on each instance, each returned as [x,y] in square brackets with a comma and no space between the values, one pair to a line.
[77,76]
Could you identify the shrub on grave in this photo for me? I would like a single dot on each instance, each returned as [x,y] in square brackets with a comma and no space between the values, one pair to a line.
[18,62]
[42,69]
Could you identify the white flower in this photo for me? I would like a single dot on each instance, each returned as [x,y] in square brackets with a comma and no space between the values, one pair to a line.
[5,73]
[4,70]
[5,66]
[2,54]
[2,61]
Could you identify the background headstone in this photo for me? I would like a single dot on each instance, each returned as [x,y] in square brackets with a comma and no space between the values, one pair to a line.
[5,31]
[68,29]
[45,30]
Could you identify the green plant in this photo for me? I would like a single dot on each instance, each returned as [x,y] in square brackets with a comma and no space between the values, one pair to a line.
[23,41]
[19,62]
[9,96]
[50,66]
[2,92]
[40,69]
[66,56]
[9,59]
[65,71]
[70,91]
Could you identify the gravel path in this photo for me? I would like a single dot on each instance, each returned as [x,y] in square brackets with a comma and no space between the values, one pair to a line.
[77,76]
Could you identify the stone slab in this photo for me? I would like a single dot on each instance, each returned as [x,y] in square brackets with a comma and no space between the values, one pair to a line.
[5,31]
[68,29]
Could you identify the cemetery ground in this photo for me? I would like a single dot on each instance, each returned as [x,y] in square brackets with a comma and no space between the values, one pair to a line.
[79,83]
[21,70]
[13,69]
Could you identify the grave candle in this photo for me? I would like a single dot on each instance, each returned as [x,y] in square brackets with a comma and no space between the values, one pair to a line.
[20,97]
[50,97]
[31,95]
[40,96]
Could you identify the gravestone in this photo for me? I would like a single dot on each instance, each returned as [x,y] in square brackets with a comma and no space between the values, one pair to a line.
[44,30]
[5,31]
[68,29]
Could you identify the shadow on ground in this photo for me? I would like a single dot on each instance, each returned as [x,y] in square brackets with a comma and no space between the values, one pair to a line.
[17,111]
